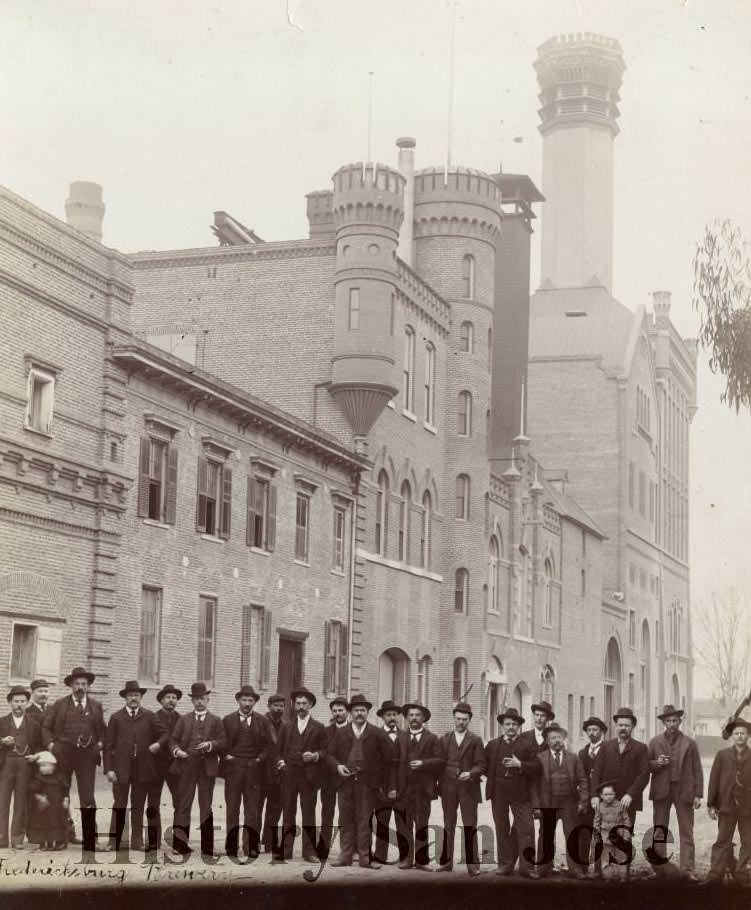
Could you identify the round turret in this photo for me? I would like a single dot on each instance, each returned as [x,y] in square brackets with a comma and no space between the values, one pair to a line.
[84,209]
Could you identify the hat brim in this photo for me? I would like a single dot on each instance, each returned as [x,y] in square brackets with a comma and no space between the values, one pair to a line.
[677,713]
[124,692]
[11,695]
[363,704]
[543,710]
[239,695]
[517,717]
[173,690]
[381,711]
[631,717]
[425,711]
[595,723]
[89,677]
[300,692]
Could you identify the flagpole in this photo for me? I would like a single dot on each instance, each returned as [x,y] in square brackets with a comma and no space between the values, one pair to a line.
[450,119]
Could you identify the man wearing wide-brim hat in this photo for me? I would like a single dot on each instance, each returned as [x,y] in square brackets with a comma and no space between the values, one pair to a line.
[357,755]
[20,738]
[165,718]
[248,747]
[329,781]
[624,760]
[729,804]
[130,743]
[421,762]
[677,780]
[73,730]
[197,743]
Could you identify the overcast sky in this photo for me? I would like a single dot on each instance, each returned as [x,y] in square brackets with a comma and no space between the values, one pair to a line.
[181,107]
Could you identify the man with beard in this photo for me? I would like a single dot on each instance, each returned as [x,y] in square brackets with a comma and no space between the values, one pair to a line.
[389,801]
[40,693]
[165,719]
[421,762]
[301,750]
[20,738]
[247,749]
[357,752]
[729,803]
[329,783]
[625,761]
[511,767]
[270,801]
[460,788]
[595,729]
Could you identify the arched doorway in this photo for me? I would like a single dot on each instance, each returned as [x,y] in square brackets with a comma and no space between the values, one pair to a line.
[495,678]
[521,699]
[645,694]
[612,681]
[393,676]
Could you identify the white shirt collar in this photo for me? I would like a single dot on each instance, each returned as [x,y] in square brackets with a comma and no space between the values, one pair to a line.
[83,701]
[539,735]
[245,717]
[358,731]
[200,715]
[460,736]
[302,723]
[417,733]
[17,721]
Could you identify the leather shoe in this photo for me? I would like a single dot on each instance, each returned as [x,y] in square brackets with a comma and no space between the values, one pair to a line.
[422,867]
[446,867]
[340,861]
[691,877]
[473,869]
[310,858]
[405,864]
[276,861]
[532,874]
[370,865]
[504,870]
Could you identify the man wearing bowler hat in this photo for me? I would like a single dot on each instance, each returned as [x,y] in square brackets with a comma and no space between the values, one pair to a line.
[339,719]
[625,761]
[512,765]
[73,730]
[389,801]
[301,751]
[459,786]
[270,800]
[196,745]
[421,763]
[131,740]
[542,715]
[20,738]
[677,780]
[594,728]
[165,719]
[357,754]
[248,746]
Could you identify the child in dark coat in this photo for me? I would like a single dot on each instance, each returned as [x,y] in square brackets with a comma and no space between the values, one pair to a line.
[611,815]
[48,805]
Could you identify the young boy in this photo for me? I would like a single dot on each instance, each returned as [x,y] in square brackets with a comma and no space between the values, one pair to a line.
[610,815]
[48,805]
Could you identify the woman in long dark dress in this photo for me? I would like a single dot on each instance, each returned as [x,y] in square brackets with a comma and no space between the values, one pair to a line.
[48,805]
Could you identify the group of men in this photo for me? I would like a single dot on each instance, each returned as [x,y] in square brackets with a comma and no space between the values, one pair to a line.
[371,773]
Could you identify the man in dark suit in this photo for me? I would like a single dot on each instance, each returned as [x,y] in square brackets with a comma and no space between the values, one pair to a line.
[165,719]
[542,715]
[512,765]
[73,730]
[40,693]
[130,743]
[459,786]
[421,762]
[20,738]
[594,729]
[678,780]
[560,791]
[196,744]
[248,747]
[357,754]
[301,750]
[270,801]
[625,761]
[338,707]
[729,803]
[389,800]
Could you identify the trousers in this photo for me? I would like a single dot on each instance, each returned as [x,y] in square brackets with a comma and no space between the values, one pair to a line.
[15,774]
[356,802]
[193,777]
[242,787]
[684,811]
[453,799]
[510,843]
[722,849]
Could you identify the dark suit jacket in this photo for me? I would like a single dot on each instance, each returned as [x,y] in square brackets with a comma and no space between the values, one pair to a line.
[519,782]
[272,775]
[35,713]
[589,763]
[165,722]
[722,780]
[8,728]
[430,752]
[126,735]
[691,782]
[392,765]
[313,740]
[213,733]
[541,792]
[53,724]
[375,747]
[471,758]
[630,771]
[260,738]
[529,738]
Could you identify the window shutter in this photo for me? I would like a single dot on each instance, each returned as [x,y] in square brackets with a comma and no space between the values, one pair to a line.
[343,662]
[251,510]
[203,479]
[226,524]
[327,681]
[143,478]
[49,649]
[271,520]
[170,500]
[266,657]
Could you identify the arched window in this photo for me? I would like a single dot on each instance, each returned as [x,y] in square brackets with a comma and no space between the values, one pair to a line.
[405,507]
[462,497]
[429,383]
[468,277]
[490,350]
[494,559]
[466,337]
[408,384]
[461,591]
[547,685]
[425,529]
[424,666]
[547,617]
[465,414]
[382,513]
[460,679]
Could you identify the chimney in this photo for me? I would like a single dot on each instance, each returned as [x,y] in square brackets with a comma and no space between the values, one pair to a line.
[406,166]
[661,303]
[84,209]
[321,215]
[580,79]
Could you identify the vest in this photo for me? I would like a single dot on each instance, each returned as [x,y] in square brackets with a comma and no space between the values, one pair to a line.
[197,735]
[356,757]
[294,744]
[452,756]
[78,726]
[244,745]
[560,782]
[21,737]
[504,775]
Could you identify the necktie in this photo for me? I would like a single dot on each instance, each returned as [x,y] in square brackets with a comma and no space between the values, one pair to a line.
[79,705]
[133,713]
[558,757]
[413,739]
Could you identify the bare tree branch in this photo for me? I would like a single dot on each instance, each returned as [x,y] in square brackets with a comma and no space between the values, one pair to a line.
[723,643]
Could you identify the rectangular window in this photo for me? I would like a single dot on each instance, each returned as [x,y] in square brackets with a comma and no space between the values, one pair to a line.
[23,651]
[302,527]
[261,521]
[461,591]
[340,525]
[632,628]
[214,501]
[206,638]
[35,651]
[570,712]
[157,482]
[581,712]
[335,658]
[354,309]
[583,582]
[642,493]
[429,384]
[652,489]
[40,400]
[246,645]
[148,648]
[257,644]
[631,688]
[631,484]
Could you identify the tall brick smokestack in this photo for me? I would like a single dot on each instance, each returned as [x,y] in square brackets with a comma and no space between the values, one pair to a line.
[84,209]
